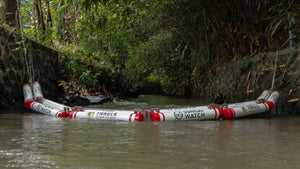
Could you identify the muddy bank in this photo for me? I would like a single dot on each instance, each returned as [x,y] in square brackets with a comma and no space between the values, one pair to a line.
[247,78]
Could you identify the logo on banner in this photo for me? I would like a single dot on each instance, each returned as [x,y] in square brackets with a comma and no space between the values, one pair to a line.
[244,109]
[105,115]
[190,114]
[178,114]
[44,109]
[91,114]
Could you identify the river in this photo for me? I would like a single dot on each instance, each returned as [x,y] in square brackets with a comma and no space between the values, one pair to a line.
[30,140]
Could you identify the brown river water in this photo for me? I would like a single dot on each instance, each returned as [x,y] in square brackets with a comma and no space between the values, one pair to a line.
[30,140]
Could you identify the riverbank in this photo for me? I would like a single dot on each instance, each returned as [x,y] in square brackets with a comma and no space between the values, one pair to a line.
[243,79]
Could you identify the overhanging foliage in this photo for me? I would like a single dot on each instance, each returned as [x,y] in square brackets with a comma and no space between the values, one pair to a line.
[170,42]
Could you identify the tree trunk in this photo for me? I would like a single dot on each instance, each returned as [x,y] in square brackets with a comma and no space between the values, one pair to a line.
[8,12]
[2,11]
[60,20]
[49,24]
[49,18]
[40,18]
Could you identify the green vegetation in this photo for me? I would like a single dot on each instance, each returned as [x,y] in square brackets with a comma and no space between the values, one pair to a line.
[122,46]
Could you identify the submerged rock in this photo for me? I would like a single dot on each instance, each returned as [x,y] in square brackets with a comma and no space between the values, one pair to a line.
[97,99]
[77,100]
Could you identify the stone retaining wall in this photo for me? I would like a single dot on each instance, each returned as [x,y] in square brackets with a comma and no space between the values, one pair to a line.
[245,79]
[13,72]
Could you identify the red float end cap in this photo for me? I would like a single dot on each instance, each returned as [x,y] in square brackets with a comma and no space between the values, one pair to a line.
[28,103]
[221,112]
[63,114]
[227,114]
[155,117]
[270,104]
[71,114]
[139,117]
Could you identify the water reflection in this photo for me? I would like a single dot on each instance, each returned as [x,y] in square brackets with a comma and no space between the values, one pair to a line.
[38,141]
[20,146]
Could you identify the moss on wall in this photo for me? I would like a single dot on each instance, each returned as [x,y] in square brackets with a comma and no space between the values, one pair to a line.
[245,79]
[12,68]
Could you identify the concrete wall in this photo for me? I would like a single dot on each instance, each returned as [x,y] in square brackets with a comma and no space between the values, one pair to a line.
[13,72]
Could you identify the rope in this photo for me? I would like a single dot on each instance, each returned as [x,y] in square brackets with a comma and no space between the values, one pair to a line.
[28,61]
[275,66]
[31,66]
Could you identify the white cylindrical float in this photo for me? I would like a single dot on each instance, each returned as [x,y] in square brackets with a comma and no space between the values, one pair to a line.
[250,109]
[124,115]
[52,104]
[28,96]
[192,113]
[241,104]
[40,108]
[264,96]
[272,99]
[245,110]
[37,90]
[38,95]
[27,92]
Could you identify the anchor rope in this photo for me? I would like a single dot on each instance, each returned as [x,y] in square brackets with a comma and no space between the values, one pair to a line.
[28,59]
[275,65]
